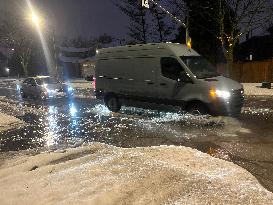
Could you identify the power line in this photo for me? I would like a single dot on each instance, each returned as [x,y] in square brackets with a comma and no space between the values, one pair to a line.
[169,13]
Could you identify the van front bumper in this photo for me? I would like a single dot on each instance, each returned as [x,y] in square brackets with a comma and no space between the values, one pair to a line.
[99,94]
[231,107]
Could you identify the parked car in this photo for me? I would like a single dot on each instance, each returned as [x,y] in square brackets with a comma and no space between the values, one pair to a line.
[164,74]
[44,87]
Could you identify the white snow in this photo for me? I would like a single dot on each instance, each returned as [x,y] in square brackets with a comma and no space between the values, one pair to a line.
[101,174]
[81,84]
[255,89]
[8,122]
[18,108]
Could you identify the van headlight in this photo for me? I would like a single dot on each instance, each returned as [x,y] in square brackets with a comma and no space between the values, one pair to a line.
[220,94]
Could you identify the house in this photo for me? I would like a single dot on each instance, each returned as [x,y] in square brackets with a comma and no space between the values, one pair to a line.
[257,48]
[75,62]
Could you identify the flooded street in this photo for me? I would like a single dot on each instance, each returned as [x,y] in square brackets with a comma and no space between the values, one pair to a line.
[71,122]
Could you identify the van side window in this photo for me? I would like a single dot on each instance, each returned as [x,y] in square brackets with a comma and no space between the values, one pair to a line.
[170,68]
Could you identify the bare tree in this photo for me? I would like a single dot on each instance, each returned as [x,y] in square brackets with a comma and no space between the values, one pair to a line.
[232,18]
[138,19]
[179,8]
[14,35]
[82,42]
[163,26]
[25,51]
[236,18]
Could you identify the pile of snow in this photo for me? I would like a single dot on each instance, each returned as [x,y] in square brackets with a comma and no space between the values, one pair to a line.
[8,122]
[101,174]
[81,84]
[19,108]
[255,89]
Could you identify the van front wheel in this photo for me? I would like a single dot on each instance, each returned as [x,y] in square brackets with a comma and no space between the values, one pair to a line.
[112,103]
[197,109]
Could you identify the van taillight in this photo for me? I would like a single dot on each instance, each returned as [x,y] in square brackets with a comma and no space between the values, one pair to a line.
[94,83]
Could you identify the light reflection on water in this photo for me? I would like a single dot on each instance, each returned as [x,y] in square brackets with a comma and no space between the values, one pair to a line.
[56,130]
[168,125]
[52,128]
[69,122]
[73,110]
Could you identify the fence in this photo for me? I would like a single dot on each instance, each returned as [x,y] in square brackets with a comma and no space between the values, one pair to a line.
[250,72]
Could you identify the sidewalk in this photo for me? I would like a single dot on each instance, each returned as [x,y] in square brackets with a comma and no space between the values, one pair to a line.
[8,122]
[255,89]
[80,84]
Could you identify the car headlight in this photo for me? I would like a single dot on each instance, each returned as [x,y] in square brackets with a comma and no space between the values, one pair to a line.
[50,92]
[220,93]
[69,89]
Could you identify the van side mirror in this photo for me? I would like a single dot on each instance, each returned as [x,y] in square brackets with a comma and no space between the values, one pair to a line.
[184,78]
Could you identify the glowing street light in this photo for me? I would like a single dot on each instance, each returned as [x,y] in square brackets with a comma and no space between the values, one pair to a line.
[33,15]
[35,19]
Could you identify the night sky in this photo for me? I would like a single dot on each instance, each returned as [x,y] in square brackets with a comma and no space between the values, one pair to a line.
[77,17]
[71,18]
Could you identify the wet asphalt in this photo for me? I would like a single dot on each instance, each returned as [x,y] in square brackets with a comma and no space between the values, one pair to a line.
[70,122]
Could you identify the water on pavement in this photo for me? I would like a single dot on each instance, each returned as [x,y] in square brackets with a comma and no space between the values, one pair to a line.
[70,122]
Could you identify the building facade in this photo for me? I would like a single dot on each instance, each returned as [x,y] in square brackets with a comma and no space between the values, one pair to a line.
[76,62]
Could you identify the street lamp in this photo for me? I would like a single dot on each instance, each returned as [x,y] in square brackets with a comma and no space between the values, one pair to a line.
[35,19]
[7,71]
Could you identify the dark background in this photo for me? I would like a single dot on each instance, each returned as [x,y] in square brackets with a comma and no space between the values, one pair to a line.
[71,18]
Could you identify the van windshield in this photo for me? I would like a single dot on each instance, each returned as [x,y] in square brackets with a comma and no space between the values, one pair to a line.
[200,67]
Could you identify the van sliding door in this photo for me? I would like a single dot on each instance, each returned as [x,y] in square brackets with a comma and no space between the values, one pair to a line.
[168,79]
[145,71]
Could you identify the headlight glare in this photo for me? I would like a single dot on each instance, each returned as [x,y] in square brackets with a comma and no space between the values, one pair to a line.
[220,93]
[50,92]
[69,89]
[223,94]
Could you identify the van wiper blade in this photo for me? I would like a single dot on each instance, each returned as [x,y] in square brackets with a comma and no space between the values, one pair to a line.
[210,79]
[208,76]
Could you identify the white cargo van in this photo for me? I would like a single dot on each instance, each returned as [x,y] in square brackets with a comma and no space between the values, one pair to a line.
[152,75]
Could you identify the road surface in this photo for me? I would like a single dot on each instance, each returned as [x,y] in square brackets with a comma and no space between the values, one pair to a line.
[70,122]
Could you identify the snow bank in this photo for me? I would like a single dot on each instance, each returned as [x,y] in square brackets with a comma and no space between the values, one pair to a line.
[81,84]
[255,89]
[12,107]
[8,122]
[101,174]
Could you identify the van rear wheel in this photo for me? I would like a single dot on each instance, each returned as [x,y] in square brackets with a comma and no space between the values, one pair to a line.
[112,103]
[197,109]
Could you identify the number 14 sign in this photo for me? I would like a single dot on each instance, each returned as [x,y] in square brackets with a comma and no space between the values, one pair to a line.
[145,3]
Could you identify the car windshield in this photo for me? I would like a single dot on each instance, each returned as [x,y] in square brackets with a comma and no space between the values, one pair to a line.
[42,81]
[200,67]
